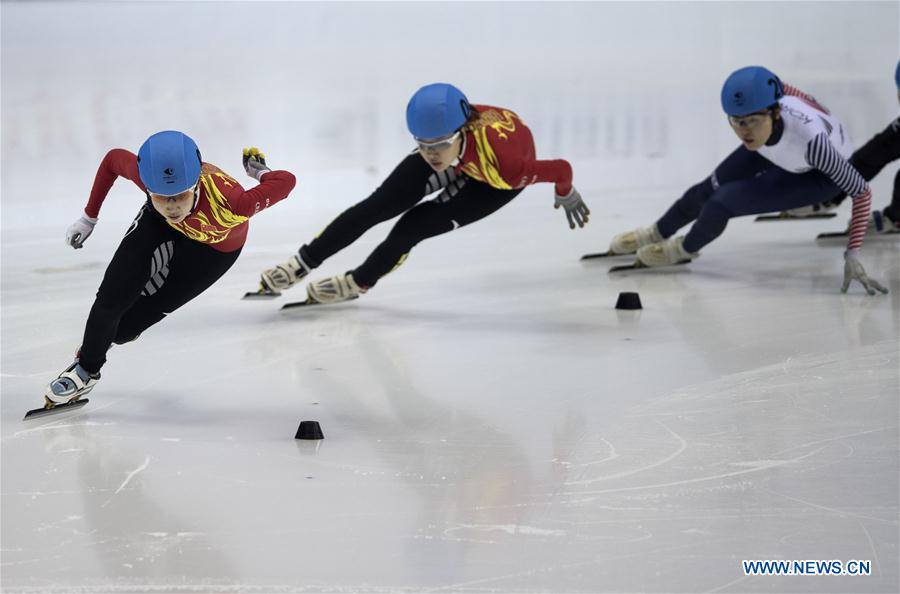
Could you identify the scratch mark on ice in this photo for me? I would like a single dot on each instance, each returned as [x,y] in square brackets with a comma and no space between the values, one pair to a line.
[682,445]
[128,478]
[756,468]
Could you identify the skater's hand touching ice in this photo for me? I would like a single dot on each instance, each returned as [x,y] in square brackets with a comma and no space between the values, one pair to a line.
[79,231]
[853,270]
[255,163]
[576,210]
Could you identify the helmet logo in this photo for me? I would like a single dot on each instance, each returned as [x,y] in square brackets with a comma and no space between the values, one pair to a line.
[739,98]
[169,176]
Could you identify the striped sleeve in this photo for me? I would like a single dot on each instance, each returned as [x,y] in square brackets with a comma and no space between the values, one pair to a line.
[822,155]
[806,97]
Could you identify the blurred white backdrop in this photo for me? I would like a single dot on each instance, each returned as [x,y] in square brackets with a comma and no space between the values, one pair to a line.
[628,92]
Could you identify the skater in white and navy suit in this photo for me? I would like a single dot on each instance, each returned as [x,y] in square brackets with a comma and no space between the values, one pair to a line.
[794,153]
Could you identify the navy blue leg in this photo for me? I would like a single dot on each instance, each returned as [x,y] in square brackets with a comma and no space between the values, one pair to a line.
[740,164]
[773,190]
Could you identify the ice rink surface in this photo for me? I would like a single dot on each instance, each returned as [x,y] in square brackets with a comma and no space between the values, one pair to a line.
[492,423]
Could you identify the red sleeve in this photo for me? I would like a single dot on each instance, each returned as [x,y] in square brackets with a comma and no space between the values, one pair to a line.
[520,168]
[859,220]
[274,187]
[557,171]
[117,163]
[807,98]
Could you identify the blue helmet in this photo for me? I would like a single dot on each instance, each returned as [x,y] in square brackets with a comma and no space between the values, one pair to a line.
[750,89]
[897,75]
[169,163]
[437,110]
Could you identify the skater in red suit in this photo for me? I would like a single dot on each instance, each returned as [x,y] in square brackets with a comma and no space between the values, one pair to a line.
[188,234]
[476,157]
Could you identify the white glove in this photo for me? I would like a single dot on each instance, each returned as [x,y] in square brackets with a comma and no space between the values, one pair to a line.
[255,163]
[853,270]
[79,231]
[576,210]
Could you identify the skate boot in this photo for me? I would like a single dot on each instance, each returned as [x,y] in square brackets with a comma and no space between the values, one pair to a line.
[630,241]
[879,222]
[665,253]
[72,384]
[334,290]
[284,276]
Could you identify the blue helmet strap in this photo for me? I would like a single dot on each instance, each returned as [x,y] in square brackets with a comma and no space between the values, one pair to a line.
[466,108]
[777,123]
[197,185]
[777,129]
[779,88]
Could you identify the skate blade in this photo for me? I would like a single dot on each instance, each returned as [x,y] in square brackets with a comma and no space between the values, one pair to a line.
[310,302]
[606,254]
[261,293]
[55,409]
[788,217]
[638,265]
[260,296]
[869,236]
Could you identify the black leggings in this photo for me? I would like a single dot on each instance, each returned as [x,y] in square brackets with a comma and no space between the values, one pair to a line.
[154,271]
[462,201]
[871,158]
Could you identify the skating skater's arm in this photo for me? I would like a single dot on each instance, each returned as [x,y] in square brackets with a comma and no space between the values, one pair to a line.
[526,171]
[273,187]
[559,172]
[117,163]
[556,171]
[822,155]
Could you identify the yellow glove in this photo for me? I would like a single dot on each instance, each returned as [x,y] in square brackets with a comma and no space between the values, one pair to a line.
[255,163]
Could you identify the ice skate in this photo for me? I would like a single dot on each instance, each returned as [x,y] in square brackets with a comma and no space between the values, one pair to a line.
[820,210]
[334,289]
[71,385]
[66,392]
[664,253]
[630,241]
[283,276]
[880,223]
